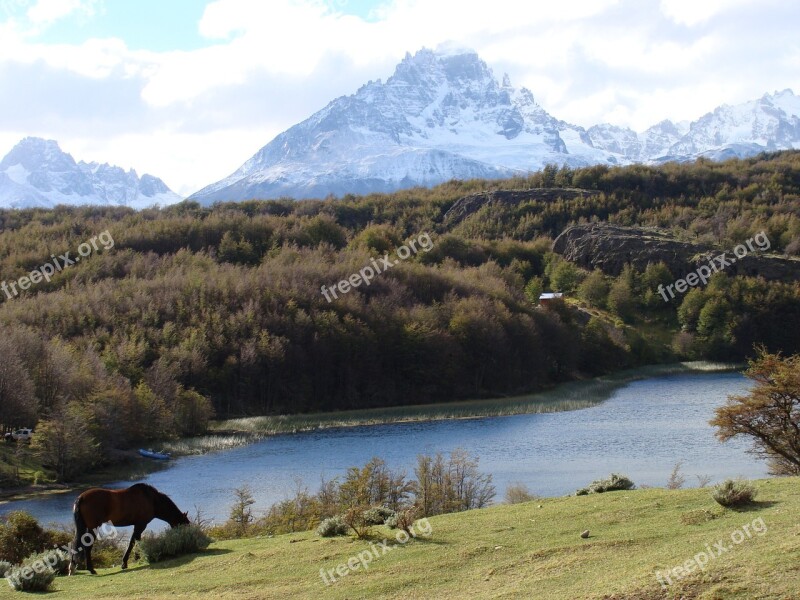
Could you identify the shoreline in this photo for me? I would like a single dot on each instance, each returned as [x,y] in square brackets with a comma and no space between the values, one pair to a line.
[133,467]
[233,433]
[570,395]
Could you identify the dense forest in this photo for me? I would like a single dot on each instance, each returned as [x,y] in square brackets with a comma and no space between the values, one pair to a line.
[197,311]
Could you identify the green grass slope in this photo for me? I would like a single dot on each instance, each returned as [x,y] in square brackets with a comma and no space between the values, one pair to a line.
[532,551]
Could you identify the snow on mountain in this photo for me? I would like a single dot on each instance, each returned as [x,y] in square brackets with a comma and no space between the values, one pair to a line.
[36,173]
[770,123]
[441,115]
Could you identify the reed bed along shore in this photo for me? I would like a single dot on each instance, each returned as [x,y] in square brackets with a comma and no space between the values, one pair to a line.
[573,395]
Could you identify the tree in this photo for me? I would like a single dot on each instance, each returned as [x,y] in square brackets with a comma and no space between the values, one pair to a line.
[769,414]
[689,310]
[451,485]
[620,298]
[565,277]
[594,289]
[17,400]
[241,516]
[65,442]
[533,290]
[655,275]
[192,412]
[152,414]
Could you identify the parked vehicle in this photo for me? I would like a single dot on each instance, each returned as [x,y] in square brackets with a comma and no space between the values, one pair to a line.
[19,435]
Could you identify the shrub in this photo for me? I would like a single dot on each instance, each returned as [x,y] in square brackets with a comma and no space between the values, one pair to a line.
[20,536]
[734,492]
[57,560]
[613,482]
[378,515]
[403,519]
[5,566]
[354,519]
[185,539]
[332,527]
[25,579]
[517,493]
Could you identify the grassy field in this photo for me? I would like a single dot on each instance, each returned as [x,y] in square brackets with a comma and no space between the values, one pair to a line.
[531,551]
[573,395]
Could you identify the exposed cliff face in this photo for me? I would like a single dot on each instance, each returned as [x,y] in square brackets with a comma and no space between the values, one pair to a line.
[610,247]
[468,205]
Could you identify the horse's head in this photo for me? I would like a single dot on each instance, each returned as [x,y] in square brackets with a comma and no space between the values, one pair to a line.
[166,510]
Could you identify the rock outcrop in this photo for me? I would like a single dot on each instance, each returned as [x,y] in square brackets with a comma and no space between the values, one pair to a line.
[610,247]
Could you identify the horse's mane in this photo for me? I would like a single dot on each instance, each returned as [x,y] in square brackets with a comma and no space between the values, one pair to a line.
[146,487]
[160,496]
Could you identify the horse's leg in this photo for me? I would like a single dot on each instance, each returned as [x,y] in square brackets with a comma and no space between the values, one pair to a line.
[138,529]
[88,550]
[77,547]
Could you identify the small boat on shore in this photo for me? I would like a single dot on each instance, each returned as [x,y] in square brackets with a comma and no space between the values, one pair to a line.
[154,455]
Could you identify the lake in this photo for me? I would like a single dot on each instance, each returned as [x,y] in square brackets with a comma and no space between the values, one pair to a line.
[642,430]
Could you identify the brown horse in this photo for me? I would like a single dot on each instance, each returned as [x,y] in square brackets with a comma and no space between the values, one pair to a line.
[136,506]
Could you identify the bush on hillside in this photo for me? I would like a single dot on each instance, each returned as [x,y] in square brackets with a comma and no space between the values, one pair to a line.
[378,515]
[185,539]
[55,559]
[517,493]
[26,579]
[734,492]
[403,519]
[20,536]
[613,482]
[354,519]
[332,527]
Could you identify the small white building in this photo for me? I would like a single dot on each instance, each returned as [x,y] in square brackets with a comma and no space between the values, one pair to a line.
[548,297]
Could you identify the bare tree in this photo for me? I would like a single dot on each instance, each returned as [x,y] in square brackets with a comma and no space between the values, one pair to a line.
[18,404]
[676,478]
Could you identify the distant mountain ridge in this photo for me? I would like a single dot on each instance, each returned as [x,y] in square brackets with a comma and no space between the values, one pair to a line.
[37,173]
[443,115]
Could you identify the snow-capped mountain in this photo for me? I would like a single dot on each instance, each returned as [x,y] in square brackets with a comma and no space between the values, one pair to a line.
[443,115]
[37,173]
[770,123]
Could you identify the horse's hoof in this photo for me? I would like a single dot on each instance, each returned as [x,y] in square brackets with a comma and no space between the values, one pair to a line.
[124,567]
[93,572]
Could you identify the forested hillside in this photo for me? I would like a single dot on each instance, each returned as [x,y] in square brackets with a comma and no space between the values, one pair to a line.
[200,311]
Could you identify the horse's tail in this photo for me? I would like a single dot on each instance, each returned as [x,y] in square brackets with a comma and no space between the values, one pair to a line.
[80,529]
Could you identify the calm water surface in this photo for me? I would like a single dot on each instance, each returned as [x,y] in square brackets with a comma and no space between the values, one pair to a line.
[642,431]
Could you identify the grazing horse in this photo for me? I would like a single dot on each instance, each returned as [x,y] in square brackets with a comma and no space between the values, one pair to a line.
[137,506]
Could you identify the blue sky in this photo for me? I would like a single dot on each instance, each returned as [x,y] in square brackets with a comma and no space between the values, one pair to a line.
[190,89]
[158,25]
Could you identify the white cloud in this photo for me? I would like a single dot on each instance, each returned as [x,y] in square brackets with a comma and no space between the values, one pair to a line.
[193,116]
[692,12]
[46,12]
